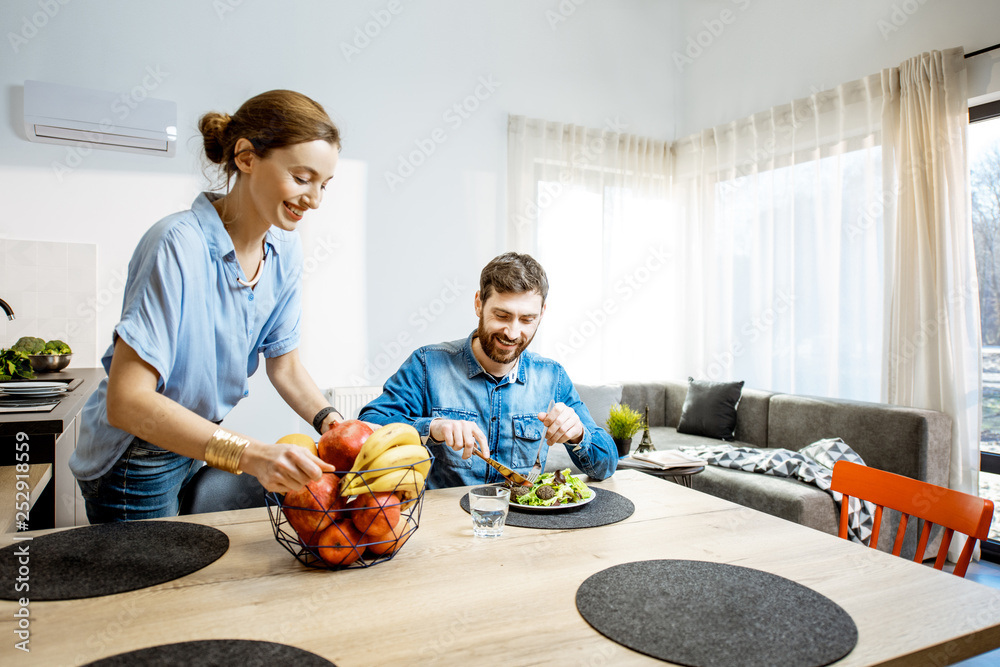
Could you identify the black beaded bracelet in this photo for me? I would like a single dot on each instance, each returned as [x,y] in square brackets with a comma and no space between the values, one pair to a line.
[321,415]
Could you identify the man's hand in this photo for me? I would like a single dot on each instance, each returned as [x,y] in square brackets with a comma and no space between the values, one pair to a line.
[562,425]
[459,435]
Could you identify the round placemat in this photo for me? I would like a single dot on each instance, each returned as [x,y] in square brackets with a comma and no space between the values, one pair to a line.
[710,614]
[215,653]
[109,558]
[607,507]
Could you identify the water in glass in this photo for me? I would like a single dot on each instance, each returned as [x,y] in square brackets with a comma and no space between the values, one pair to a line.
[488,506]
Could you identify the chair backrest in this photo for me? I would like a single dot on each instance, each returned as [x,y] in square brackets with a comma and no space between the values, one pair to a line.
[214,490]
[934,505]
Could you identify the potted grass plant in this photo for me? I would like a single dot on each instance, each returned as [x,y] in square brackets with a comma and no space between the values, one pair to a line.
[623,423]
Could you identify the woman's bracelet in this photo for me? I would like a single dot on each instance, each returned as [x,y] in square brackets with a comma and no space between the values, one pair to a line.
[224,450]
[321,415]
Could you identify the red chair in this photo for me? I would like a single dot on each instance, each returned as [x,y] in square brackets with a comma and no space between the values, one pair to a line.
[954,510]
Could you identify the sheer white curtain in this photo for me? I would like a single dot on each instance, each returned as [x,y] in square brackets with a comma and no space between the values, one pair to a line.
[592,205]
[780,217]
[821,247]
[932,336]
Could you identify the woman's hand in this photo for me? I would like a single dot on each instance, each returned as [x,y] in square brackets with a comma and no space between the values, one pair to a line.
[282,468]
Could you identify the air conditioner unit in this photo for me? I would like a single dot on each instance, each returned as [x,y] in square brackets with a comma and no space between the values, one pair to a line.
[132,122]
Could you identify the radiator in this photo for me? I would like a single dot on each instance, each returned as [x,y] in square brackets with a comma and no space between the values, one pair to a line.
[350,400]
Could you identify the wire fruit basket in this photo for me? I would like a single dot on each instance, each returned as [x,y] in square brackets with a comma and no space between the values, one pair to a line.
[325,530]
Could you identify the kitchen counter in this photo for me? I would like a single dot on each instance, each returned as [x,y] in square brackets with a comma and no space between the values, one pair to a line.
[49,438]
[56,421]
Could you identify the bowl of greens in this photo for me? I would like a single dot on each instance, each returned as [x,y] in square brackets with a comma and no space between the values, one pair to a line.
[44,356]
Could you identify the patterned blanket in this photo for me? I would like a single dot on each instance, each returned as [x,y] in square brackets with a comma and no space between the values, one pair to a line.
[812,464]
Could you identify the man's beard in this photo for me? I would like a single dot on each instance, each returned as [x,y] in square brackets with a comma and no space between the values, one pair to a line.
[491,349]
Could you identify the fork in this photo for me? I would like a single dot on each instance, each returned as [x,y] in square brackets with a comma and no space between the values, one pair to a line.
[536,469]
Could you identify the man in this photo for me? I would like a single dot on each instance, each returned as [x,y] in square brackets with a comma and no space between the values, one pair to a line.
[486,391]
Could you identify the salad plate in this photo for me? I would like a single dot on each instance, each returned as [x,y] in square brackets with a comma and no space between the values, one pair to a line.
[552,508]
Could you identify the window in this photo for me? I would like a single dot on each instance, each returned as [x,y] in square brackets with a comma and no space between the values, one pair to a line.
[984,161]
[608,261]
[805,248]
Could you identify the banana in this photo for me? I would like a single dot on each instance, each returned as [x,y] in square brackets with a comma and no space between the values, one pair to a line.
[407,498]
[355,478]
[402,456]
[396,480]
[382,440]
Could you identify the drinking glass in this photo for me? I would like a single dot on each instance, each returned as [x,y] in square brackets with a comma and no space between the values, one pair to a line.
[488,506]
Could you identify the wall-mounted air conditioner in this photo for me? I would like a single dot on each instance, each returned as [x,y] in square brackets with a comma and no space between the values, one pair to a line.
[58,114]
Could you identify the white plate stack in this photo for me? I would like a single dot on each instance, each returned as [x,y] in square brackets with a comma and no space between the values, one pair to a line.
[33,389]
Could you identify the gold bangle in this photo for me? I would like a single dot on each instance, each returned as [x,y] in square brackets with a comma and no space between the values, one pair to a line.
[224,450]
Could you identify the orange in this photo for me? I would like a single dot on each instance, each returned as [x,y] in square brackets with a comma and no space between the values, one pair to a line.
[300,439]
[385,546]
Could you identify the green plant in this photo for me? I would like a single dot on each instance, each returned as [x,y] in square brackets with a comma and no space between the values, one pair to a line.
[624,422]
[14,364]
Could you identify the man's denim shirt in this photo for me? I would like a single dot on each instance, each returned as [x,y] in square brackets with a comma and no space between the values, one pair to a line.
[447,381]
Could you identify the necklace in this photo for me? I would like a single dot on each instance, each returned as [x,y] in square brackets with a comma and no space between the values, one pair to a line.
[256,276]
[260,265]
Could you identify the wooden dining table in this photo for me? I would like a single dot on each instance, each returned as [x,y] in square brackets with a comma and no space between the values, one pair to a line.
[450,598]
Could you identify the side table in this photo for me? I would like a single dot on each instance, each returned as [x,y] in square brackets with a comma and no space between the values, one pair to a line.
[680,476]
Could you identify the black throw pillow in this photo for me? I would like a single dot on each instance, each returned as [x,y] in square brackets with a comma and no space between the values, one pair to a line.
[710,409]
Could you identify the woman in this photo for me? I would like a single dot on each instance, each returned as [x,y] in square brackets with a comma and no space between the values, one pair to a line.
[210,289]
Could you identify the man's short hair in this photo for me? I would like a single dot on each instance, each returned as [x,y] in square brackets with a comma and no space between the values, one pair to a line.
[513,273]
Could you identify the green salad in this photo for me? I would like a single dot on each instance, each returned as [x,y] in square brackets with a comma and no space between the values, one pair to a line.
[552,489]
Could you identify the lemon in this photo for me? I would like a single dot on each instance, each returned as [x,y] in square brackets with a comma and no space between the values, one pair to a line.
[300,439]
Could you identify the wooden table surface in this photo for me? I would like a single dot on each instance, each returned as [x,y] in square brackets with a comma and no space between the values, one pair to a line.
[449,598]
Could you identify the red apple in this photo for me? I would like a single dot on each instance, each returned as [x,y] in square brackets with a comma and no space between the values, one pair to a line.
[337,544]
[375,514]
[314,507]
[340,445]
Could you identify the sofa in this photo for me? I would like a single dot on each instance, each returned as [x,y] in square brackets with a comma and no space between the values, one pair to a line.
[907,441]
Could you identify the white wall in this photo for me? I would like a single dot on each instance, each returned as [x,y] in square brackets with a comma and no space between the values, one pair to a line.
[769,52]
[407,259]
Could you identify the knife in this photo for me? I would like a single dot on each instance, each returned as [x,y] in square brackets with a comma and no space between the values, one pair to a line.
[505,472]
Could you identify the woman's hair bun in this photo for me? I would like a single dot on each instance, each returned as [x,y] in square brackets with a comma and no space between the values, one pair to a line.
[213,130]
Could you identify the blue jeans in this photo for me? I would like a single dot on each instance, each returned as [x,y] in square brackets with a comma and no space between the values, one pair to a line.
[145,483]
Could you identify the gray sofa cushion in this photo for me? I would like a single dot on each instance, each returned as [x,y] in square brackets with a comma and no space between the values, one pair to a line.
[667,437]
[599,400]
[653,394]
[751,417]
[896,439]
[710,409]
[779,496]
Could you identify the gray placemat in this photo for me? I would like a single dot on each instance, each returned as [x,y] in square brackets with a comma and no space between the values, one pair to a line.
[607,507]
[109,558]
[215,653]
[712,614]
